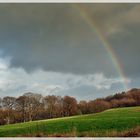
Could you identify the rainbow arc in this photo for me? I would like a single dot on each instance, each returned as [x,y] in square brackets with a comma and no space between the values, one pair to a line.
[112,54]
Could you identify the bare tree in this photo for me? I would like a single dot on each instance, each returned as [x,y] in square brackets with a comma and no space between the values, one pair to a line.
[0,103]
[21,106]
[69,106]
[50,105]
[8,104]
[83,107]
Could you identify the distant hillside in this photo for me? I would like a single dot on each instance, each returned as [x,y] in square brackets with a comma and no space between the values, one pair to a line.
[112,122]
[31,107]
[125,99]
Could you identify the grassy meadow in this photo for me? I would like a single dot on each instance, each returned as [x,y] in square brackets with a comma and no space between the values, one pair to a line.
[112,122]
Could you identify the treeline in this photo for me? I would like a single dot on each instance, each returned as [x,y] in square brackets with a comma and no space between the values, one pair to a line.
[30,106]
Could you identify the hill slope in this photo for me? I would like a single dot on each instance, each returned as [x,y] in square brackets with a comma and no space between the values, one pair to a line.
[107,123]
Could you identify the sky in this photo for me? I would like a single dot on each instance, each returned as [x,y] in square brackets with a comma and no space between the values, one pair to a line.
[61,49]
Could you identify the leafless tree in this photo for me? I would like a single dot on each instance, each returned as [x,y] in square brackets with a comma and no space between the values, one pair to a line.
[70,106]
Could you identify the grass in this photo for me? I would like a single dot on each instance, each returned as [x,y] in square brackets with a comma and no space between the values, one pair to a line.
[111,122]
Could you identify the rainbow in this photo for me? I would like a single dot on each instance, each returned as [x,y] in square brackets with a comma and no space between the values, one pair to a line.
[113,56]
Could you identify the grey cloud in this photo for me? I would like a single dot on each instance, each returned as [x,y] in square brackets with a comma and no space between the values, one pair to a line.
[86,92]
[55,37]
[128,51]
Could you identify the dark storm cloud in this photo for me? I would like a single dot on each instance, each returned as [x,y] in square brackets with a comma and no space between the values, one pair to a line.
[56,38]
[129,51]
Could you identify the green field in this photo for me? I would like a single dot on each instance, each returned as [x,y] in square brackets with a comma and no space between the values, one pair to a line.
[106,123]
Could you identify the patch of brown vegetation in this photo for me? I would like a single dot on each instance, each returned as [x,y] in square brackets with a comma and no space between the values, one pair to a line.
[132,133]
